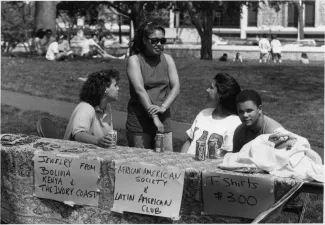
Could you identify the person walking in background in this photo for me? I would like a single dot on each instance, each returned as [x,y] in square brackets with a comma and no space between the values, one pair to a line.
[91,120]
[276,49]
[304,58]
[217,123]
[265,48]
[154,86]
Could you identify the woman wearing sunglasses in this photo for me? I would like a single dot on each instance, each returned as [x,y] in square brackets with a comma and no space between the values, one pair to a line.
[154,85]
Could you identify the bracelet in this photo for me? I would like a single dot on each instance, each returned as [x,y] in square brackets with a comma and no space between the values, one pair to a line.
[164,106]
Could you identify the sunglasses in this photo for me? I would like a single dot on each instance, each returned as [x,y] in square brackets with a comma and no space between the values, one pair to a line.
[155,41]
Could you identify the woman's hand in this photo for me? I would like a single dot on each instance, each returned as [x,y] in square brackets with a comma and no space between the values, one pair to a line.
[105,141]
[158,124]
[278,138]
[154,109]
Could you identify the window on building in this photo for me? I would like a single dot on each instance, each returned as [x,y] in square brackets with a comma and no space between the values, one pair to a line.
[292,15]
[226,20]
[309,13]
[252,17]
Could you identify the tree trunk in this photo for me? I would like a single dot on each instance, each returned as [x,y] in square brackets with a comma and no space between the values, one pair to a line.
[136,13]
[45,15]
[206,45]
[206,36]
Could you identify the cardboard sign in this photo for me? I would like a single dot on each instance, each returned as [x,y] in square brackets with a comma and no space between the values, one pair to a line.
[236,195]
[69,180]
[148,189]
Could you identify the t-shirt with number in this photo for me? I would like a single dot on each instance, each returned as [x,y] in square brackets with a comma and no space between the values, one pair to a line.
[221,130]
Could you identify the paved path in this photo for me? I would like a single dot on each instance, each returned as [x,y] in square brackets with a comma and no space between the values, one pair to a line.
[64,109]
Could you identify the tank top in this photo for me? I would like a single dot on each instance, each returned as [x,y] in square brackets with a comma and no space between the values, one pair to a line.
[156,83]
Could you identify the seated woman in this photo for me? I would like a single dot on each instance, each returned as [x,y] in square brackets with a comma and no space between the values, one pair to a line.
[215,126]
[91,120]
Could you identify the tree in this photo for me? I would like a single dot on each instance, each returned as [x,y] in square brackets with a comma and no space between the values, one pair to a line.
[17,23]
[45,15]
[300,6]
[202,16]
[70,11]
[141,11]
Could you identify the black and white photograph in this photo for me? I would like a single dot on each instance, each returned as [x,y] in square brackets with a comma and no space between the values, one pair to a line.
[162,112]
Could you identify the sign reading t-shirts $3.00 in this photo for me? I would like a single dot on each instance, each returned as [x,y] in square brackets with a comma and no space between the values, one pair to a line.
[236,195]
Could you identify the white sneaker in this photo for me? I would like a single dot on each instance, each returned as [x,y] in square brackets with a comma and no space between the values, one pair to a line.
[280,61]
[260,61]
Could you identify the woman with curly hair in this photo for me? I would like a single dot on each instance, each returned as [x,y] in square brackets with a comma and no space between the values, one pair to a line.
[91,120]
[215,126]
[154,86]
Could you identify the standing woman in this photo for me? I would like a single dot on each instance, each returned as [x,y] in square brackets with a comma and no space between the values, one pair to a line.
[154,85]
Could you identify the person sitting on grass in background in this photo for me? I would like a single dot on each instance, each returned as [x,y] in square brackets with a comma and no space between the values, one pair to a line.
[91,120]
[37,45]
[254,122]
[304,58]
[46,41]
[97,51]
[224,57]
[276,49]
[53,52]
[265,48]
[219,122]
[64,46]
[238,58]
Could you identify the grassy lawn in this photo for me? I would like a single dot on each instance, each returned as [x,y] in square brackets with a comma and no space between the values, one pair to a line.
[292,94]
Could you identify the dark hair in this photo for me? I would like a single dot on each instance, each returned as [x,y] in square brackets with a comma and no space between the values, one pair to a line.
[228,88]
[48,30]
[224,57]
[304,55]
[249,95]
[94,87]
[137,45]
[40,33]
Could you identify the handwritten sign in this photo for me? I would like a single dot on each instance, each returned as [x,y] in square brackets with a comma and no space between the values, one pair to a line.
[148,189]
[236,195]
[69,180]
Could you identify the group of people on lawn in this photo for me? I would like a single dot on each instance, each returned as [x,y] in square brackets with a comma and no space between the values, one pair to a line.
[234,117]
[44,44]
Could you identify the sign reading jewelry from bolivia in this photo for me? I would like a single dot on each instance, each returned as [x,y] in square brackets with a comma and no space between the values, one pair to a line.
[236,195]
[148,189]
[66,179]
